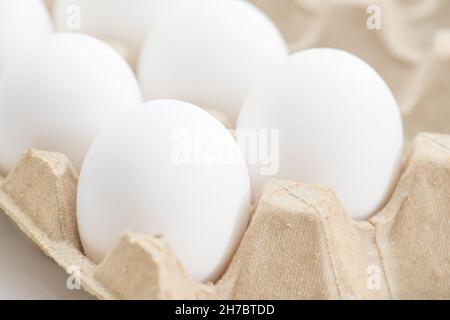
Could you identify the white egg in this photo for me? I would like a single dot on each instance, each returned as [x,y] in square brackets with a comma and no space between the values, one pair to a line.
[22,24]
[122,23]
[167,168]
[330,120]
[209,53]
[58,94]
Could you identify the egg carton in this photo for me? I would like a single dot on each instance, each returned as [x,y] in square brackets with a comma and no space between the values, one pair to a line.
[300,244]
[410,47]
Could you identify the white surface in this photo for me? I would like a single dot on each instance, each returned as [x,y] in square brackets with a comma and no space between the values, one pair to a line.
[22,24]
[339,126]
[140,175]
[58,94]
[25,272]
[209,53]
[123,23]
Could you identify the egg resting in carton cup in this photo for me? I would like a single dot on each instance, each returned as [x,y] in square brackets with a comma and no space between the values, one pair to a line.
[300,243]
[408,44]
[399,257]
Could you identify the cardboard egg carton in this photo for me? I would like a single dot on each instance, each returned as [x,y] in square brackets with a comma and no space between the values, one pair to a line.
[407,42]
[300,244]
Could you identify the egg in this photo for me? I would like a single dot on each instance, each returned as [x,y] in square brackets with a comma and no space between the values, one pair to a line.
[209,53]
[58,94]
[22,24]
[166,168]
[123,24]
[325,117]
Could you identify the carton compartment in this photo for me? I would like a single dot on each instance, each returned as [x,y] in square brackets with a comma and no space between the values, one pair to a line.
[300,243]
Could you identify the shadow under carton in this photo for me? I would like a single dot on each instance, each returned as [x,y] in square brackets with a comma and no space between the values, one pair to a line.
[300,243]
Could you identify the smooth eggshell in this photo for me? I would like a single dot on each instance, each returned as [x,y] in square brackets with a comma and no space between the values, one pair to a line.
[209,53]
[58,94]
[131,180]
[124,24]
[339,126]
[22,24]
